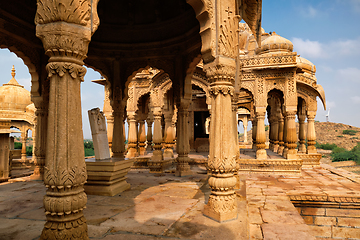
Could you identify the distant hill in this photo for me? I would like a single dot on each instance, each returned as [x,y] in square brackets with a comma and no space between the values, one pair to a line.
[329,132]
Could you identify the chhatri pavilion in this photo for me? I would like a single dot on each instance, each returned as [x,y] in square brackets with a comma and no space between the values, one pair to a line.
[192,69]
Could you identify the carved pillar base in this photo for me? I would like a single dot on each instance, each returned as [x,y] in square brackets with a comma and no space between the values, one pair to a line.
[168,152]
[76,229]
[183,167]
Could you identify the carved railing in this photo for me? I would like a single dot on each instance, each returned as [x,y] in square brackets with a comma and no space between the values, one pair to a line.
[268,61]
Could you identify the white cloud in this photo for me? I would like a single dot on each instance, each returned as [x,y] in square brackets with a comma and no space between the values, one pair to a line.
[308,48]
[335,49]
[349,74]
[355,99]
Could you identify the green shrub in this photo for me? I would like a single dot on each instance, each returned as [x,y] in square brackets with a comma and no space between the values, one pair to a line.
[325,146]
[89,152]
[17,145]
[354,138]
[29,150]
[266,127]
[349,132]
[340,136]
[341,154]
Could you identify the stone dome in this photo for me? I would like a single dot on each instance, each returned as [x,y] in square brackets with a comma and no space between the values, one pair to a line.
[13,96]
[306,65]
[275,44]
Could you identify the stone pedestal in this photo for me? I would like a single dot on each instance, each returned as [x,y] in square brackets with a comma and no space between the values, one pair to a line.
[310,160]
[107,177]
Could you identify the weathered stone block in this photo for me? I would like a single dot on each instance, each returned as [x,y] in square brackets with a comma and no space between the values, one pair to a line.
[339,232]
[325,221]
[321,231]
[342,212]
[313,212]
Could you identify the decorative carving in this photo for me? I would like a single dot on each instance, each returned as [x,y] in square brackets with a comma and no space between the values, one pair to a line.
[70,11]
[60,68]
[215,90]
[263,61]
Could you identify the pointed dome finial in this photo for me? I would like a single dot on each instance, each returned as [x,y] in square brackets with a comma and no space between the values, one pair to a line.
[13,71]
[13,81]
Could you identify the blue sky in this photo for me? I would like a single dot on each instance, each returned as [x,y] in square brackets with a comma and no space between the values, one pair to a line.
[325,32]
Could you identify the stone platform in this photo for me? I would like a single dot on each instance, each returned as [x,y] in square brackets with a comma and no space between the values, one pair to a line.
[320,203]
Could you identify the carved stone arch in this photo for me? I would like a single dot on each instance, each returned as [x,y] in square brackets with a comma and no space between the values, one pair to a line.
[28,56]
[204,85]
[275,84]
[204,11]
[309,96]
[249,86]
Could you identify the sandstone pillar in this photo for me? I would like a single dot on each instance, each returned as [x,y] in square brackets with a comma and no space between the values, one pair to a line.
[302,134]
[291,137]
[41,137]
[281,134]
[271,133]
[110,131]
[33,136]
[65,36]
[182,142]
[254,122]
[142,137]
[156,162]
[4,156]
[65,171]
[169,135]
[23,147]
[285,136]
[245,124]
[275,127]
[149,134]
[235,119]
[311,135]
[118,142]
[222,203]
[132,136]
[260,135]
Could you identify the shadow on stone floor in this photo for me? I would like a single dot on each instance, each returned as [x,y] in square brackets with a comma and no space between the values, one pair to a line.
[158,206]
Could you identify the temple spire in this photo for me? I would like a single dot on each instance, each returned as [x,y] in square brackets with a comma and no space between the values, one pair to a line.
[13,80]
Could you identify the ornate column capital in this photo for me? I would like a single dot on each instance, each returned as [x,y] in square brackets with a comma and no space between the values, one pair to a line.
[65,27]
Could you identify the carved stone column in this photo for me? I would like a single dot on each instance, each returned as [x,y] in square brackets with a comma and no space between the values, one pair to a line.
[285,136]
[182,142]
[41,137]
[281,134]
[169,135]
[33,136]
[110,130]
[260,135]
[142,137]
[23,148]
[302,134]
[65,28]
[118,141]
[245,124]
[271,132]
[149,134]
[275,128]
[132,136]
[254,129]
[156,162]
[222,165]
[311,135]
[291,137]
